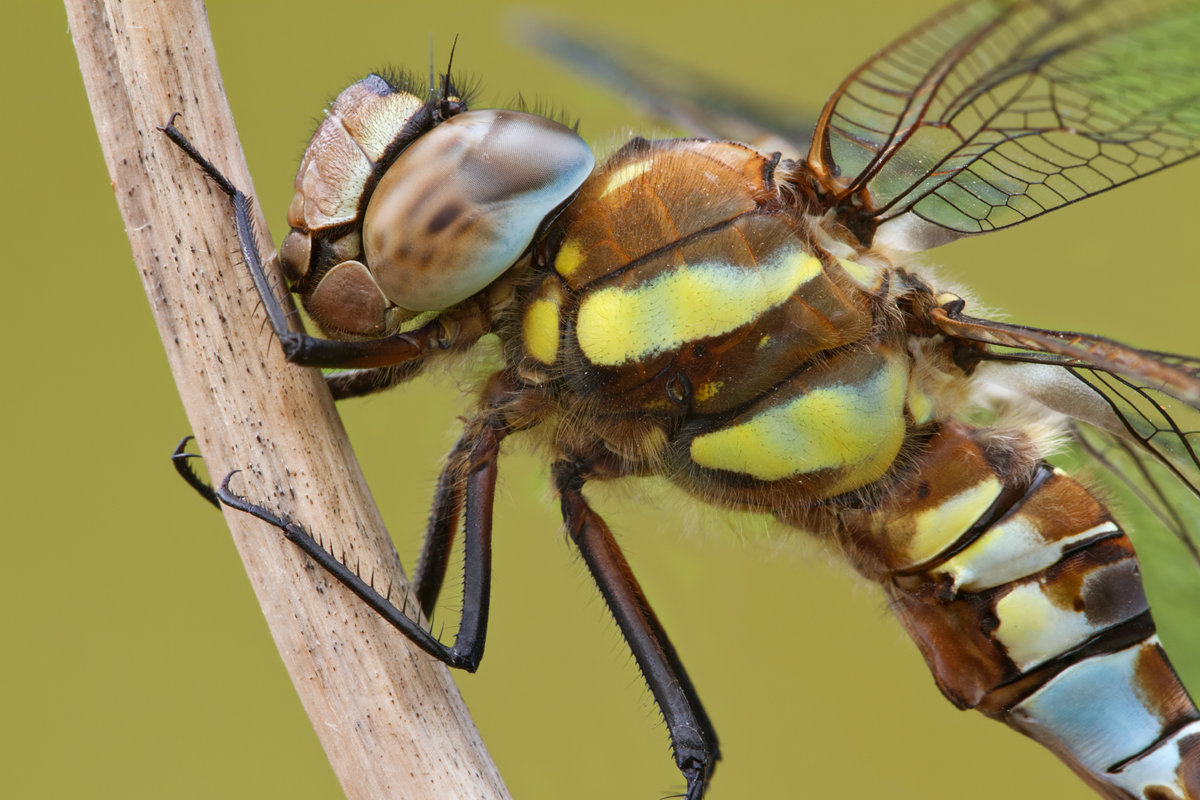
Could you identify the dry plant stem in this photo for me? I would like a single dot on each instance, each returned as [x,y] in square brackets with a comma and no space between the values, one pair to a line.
[390,719]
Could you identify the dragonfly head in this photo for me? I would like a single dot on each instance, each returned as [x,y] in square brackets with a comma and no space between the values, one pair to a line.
[404,205]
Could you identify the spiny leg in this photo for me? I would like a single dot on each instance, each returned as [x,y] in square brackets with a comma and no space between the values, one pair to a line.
[181,459]
[300,348]
[387,362]
[692,735]
[362,382]
[479,490]
[342,385]
[430,574]
[510,407]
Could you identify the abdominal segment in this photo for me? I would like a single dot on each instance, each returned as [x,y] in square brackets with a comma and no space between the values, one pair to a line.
[1025,597]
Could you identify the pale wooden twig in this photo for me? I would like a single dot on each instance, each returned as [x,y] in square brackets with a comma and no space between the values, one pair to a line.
[390,719]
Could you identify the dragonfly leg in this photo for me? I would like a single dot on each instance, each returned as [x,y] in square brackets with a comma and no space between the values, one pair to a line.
[430,574]
[361,382]
[181,460]
[479,483]
[300,348]
[467,484]
[693,738]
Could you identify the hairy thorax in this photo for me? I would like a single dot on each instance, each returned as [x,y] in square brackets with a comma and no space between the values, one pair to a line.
[686,318]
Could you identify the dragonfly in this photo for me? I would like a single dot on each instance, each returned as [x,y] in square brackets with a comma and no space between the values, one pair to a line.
[747,325]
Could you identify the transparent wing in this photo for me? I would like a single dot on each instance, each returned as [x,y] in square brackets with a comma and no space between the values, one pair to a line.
[1136,427]
[1149,480]
[1160,441]
[1171,375]
[1150,503]
[996,111]
[696,103]
[1138,411]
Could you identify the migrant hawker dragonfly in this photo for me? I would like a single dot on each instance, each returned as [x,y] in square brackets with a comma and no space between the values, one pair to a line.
[746,326]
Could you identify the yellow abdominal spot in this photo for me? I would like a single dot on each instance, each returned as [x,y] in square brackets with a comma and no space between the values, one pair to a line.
[568,259]
[693,302]
[1035,626]
[539,330]
[854,427]
[937,528]
[1027,621]
[707,391]
[625,174]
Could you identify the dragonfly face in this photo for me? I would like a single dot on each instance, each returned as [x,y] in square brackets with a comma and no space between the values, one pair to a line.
[810,375]
[438,200]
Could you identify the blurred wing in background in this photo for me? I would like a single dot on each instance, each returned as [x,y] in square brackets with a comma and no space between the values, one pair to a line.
[697,104]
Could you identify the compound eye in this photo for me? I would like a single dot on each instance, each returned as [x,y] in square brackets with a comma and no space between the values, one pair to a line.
[462,203]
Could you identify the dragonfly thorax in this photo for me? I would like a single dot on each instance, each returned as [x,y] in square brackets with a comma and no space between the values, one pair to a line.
[689,318]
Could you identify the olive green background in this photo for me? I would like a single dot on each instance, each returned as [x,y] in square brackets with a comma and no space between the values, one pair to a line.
[136,663]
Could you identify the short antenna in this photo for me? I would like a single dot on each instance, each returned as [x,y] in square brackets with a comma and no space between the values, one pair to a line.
[449,63]
[432,86]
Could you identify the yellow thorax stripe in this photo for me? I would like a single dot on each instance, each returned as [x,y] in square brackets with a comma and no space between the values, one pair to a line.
[865,276]
[540,330]
[858,427]
[626,174]
[692,302]
[569,257]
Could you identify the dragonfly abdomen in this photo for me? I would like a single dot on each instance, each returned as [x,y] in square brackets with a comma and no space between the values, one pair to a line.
[1025,597]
